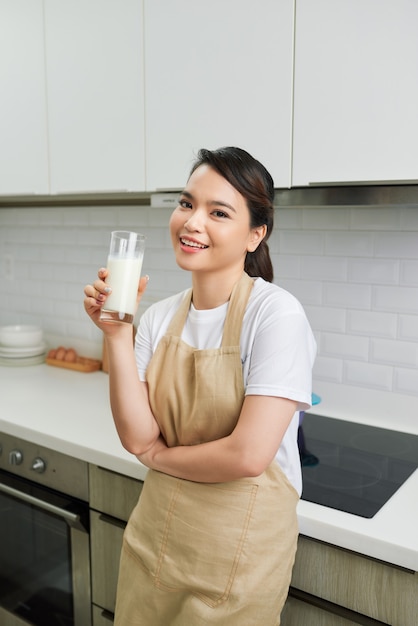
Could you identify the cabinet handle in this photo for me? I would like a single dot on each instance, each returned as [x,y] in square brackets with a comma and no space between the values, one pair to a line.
[113,521]
[334,609]
[108,615]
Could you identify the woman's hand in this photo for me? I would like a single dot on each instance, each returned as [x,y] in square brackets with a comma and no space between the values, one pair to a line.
[96,295]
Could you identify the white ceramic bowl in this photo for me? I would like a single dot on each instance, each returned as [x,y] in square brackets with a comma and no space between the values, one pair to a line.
[20,336]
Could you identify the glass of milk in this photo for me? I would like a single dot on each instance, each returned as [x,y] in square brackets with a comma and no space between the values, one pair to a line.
[124,265]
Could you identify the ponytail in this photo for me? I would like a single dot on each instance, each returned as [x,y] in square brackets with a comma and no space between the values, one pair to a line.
[258,263]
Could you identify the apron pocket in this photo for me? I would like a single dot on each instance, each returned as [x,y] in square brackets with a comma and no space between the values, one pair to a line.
[190,536]
[205,531]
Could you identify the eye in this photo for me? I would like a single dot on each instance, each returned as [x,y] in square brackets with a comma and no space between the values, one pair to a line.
[219,213]
[185,204]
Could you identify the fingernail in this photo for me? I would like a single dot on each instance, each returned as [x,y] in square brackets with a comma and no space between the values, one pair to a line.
[147,277]
[107,289]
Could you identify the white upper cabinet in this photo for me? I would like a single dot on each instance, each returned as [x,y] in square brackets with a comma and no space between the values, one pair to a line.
[23,122]
[356,91]
[94,67]
[217,73]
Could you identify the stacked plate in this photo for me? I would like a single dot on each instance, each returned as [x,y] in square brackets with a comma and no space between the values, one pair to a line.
[21,345]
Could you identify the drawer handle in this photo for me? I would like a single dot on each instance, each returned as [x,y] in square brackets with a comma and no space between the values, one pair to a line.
[113,521]
[108,615]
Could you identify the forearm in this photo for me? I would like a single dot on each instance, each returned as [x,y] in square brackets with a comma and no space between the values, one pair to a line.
[246,452]
[212,462]
[134,421]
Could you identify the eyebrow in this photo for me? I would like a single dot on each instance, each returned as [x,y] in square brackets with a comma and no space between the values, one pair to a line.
[189,196]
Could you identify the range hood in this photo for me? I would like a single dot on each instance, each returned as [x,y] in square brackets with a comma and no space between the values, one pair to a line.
[349,195]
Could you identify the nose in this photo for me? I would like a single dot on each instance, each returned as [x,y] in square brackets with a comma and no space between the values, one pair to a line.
[195,222]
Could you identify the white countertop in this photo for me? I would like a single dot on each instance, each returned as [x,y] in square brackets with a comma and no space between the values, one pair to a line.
[69,412]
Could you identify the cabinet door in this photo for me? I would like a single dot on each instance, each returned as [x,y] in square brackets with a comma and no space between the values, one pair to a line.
[217,73]
[106,536]
[113,493]
[23,134]
[95,95]
[385,593]
[356,93]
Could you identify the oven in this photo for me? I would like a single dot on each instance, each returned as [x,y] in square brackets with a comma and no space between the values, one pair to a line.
[44,530]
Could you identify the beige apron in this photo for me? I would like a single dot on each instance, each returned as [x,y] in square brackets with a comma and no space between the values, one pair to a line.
[205,553]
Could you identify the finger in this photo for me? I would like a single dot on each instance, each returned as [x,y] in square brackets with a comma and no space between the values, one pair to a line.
[101,287]
[143,282]
[94,296]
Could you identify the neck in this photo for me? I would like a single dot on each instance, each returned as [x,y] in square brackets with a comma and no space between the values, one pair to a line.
[213,289]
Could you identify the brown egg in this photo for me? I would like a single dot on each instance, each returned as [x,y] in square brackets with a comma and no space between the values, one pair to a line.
[51,354]
[60,353]
[70,356]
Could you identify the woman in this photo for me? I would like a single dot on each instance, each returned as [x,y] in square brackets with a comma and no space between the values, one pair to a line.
[224,369]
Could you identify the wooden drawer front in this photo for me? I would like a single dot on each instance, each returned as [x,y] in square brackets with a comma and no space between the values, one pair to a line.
[385,593]
[102,617]
[113,493]
[296,613]
[106,536]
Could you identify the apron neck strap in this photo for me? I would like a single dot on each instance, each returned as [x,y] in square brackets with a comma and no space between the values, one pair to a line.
[236,309]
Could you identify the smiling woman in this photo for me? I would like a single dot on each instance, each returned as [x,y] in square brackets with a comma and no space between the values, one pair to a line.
[211,407]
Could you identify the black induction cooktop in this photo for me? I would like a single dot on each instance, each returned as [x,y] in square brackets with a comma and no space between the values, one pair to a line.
[352,467]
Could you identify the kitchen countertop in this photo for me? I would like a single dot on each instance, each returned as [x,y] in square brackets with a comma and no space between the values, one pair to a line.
[69,411]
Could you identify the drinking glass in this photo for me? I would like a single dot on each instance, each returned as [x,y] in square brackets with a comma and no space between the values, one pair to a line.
[124,265]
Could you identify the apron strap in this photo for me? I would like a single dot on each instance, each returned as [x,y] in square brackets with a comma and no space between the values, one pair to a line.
[233,322]
[236,309]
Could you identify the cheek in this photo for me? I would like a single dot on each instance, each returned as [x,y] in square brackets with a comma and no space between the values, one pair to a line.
[174,223]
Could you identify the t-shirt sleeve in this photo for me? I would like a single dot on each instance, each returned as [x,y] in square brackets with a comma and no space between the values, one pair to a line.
[143,345]
[282,357]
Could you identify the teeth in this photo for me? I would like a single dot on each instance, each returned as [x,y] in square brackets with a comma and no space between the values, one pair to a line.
[192,244]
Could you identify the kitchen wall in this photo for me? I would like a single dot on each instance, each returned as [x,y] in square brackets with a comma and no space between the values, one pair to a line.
[354,269]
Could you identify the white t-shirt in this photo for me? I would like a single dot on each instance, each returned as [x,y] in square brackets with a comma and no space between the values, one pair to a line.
[277,351]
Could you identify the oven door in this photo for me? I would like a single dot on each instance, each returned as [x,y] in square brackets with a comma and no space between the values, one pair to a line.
[44,556]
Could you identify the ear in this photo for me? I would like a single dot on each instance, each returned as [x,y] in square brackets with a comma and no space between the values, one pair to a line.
[256,237]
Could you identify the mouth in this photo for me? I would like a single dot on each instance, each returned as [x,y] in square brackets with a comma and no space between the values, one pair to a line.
[191,243]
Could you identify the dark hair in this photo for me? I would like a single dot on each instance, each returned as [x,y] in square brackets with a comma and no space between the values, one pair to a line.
[254,182]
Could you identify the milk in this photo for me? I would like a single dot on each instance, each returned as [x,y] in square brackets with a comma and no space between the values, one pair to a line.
[123,278]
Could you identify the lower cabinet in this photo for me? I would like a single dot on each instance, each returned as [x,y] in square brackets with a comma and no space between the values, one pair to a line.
[112,498]
[330,583]
[330,586]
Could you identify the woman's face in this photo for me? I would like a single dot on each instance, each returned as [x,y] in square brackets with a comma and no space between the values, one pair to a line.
[210,228]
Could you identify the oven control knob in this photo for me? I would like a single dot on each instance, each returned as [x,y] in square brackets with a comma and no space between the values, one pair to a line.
[15,457]
[38,465]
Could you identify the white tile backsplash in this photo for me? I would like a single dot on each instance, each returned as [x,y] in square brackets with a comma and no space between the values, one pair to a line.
[355,270]
[372,323]
[409,273]
[396,299]
[373,271]
[351,346]
[398,245]
[370,375]
[404,353]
